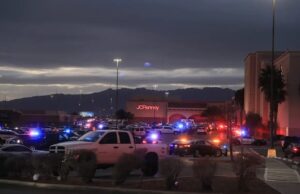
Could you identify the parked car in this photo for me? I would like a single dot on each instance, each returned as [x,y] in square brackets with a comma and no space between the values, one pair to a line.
[248,141]
[164,129]
[110,145]
[196,148]
[18,148]
[6,134]
[292,150]
[287,140]
[201,129]
[139,131]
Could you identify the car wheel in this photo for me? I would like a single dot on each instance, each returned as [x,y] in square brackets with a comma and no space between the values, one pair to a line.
[150,166]
[196,154]
[218,153]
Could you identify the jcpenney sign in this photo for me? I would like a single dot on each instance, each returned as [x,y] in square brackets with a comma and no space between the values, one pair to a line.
[146,107]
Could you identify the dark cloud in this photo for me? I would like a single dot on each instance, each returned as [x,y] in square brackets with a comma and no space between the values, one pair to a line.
[168,34]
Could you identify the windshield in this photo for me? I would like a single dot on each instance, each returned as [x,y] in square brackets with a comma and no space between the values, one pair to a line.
[91,136]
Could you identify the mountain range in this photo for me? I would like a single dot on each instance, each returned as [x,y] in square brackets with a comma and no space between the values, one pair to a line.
[103,102]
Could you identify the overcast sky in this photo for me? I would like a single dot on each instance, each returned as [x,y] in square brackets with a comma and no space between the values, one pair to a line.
[68,46]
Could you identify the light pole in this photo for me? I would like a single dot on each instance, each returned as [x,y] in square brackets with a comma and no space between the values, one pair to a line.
[117,61]
[272,77]
[154,87]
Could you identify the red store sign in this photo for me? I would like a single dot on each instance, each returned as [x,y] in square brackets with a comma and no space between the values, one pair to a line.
[147,107]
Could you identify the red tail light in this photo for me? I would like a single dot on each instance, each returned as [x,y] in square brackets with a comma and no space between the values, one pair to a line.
[295,149]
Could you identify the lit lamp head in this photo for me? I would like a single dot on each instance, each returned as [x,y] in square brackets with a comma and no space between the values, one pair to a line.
[117,60]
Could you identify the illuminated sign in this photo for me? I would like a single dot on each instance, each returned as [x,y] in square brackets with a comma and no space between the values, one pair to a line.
[146,107]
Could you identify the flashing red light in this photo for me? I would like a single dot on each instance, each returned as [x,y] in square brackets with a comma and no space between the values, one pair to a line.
[144,142]
[295,149]
[154,142]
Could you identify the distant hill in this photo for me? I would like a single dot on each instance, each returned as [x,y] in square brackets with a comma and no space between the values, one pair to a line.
[105,100]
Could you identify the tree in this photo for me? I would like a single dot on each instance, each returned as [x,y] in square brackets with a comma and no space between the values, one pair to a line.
[122,114]
[279,91]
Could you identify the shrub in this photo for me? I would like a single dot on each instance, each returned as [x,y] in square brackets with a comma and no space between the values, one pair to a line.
[86,165]
[47,165]
[3,169]
[126,164]
[84,162]
[245,167]
[18,165]
[170,168]
[204,170]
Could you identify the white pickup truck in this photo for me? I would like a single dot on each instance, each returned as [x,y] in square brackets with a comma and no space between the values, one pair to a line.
[109,145]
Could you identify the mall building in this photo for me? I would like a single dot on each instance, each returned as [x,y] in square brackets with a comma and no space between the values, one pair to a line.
[169,111]
[288,111]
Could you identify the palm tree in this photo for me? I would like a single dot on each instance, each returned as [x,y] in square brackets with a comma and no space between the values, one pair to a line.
[279,91]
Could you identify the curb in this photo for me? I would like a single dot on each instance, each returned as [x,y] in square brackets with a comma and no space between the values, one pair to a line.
[288,160]
[278,158]
[84,188]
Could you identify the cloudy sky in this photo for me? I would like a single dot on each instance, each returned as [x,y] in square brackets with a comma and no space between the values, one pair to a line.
[68,46]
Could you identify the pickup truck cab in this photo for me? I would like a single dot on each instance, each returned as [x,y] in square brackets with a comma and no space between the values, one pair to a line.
[109,145]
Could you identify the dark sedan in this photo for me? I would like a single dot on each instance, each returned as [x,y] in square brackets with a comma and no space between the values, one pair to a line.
[292,150]
[196,148]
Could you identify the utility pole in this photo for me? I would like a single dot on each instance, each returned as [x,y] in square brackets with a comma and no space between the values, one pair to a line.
[272,124]
[117,61]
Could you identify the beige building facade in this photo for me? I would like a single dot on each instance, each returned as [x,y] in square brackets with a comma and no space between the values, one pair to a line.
[288,111]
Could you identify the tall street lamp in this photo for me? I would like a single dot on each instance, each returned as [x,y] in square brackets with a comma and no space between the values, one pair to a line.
[117,61]
[272,76]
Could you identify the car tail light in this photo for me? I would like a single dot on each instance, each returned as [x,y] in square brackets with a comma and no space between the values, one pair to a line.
[295,149]
[144,142]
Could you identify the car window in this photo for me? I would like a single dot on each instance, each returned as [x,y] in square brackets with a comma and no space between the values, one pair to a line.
[92,136]
[124,138]
[110,138]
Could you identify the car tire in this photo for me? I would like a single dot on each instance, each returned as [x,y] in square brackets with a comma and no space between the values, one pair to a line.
[218,153]
[150,166]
